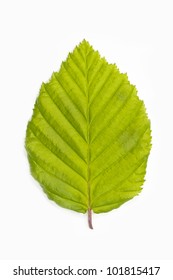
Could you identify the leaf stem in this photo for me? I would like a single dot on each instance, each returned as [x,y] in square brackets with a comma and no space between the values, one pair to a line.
[90,218]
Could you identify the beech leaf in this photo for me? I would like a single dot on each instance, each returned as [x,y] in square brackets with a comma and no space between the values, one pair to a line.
[89,137]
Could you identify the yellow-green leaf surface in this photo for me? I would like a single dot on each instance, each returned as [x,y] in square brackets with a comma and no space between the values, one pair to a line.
[89,137]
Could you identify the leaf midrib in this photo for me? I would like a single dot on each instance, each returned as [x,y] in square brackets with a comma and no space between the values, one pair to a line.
[88,132]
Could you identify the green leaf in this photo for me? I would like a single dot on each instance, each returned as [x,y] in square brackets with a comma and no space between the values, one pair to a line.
[89,137]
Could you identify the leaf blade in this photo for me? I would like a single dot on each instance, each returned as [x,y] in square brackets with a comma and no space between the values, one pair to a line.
[89,138]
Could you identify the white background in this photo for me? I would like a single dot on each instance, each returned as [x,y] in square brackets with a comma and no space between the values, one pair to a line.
[35,36]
